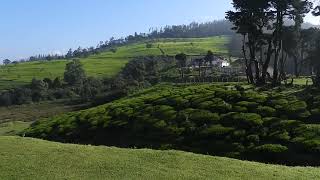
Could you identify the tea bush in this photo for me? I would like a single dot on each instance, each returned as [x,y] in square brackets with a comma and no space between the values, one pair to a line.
[210,119]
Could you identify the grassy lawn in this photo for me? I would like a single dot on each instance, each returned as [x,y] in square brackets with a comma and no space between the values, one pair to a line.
[25,158]
[109,63]
[32,112]
[13,128]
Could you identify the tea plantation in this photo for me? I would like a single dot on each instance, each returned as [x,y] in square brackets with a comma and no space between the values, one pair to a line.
[109,63]
[241,122]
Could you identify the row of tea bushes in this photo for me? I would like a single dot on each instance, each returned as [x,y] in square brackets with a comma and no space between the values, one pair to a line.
[212,119]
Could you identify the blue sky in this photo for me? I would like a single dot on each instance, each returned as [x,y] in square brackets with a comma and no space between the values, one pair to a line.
[30,27]
[47,26]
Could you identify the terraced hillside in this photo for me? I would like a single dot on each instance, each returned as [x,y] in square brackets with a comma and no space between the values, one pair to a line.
[24,158]
[109,63]
[226,120]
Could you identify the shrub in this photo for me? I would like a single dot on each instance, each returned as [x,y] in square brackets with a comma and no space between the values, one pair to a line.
[196,101]
[201,117]
[237,134]
[221,107]
[244,120]
[249,105]
[228,95]
[280,135]
[253,138]
[289,124]
[216,130]
[165,112]
[239,109]
[312,146]
[268,121]
[315,115]
[266,111]
[271,148]
[255,97]
[178,102]
[296,107]
[279,103]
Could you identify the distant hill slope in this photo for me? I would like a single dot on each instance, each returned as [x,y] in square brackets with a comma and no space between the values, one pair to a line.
[25,158]
[109,63]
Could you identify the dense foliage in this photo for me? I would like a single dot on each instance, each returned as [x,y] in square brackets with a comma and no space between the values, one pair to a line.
[225,120]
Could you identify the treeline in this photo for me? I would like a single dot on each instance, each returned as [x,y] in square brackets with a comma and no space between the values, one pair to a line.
[194,30]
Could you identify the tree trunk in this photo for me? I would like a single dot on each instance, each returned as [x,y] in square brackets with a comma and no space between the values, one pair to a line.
[247,63]
[296,66]
[267,62]
[278,43]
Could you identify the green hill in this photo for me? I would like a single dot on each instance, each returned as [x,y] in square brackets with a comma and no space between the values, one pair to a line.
[109,63]
[25,158]
[218,119]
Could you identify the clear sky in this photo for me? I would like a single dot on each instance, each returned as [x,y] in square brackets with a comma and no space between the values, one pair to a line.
[47,26]
[30,27]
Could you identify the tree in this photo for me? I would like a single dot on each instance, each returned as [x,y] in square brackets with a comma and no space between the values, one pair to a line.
[89,88]
[261,23]
[314,54]
[74,73]
[314,49]
[39,90]
[56,83]
[209,57]
[6,61]
[69,54]
[181,63]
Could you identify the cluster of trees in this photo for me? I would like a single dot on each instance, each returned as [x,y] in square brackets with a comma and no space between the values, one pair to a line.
[268,42]
[37,90]
[193,30]
[138,73]
[209,119]
[75,84]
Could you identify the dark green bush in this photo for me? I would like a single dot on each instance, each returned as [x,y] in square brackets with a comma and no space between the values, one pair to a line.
[255,97]
[253,138]
[244,120]
[280,136]
[201,117]
[248,105]
[315,115]
[271,148]
[312,146]
[216,130]
[165,112]
[266,111]
[239,109]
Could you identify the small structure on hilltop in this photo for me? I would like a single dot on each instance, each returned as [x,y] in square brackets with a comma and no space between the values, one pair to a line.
[216,61]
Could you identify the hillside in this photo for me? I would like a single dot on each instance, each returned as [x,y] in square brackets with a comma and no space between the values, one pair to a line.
[109,63]
[25,158]
[218,119]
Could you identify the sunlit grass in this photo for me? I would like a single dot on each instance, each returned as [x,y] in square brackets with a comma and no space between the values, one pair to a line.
[25,158]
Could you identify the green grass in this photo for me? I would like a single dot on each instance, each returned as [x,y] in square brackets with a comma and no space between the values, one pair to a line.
[32,112]
[109,63]
[25,158]
[13,128]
